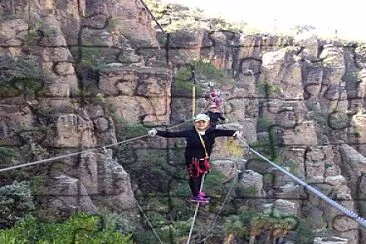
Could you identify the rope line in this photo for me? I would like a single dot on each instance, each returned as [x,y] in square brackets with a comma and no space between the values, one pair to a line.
[80,152]
[212,225]
[165,33]
[70,154]
[193,100]
[195,212]
[148,222]
[328,200]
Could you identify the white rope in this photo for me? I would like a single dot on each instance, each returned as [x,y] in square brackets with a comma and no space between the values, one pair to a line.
[221,207]
[149,223]
[331,202]
[195,212]
[69,155]
[80,152]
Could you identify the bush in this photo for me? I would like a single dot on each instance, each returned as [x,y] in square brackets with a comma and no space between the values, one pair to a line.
[80,228]
[19,75]
[127,130]
[15,201]
[7,154]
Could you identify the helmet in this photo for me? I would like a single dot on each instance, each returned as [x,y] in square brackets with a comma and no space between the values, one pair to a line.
[200,117]
[213,105]
[210,84]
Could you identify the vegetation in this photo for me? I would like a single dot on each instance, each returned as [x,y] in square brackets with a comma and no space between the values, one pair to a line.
[182,18]
[298,29]
[19,75]
[304,233]
[252,225]
[7,155]
[80,228]
[203,70]
[127,130]
[15,201]
[265,89]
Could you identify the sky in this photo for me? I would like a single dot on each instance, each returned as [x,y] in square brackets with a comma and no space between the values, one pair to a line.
[344,19]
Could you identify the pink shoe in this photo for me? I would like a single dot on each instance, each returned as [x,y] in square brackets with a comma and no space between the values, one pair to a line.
[198,199]
[203,195]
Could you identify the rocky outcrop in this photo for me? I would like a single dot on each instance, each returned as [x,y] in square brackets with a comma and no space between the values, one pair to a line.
[298,100]
[147,89]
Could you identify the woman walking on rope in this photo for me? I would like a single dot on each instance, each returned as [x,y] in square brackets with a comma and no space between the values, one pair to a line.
[200,140]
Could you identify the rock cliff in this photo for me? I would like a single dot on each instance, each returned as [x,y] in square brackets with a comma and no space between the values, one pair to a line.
[73,73]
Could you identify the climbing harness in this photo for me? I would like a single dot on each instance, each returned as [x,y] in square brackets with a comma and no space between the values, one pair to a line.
[206,162]
[198,167]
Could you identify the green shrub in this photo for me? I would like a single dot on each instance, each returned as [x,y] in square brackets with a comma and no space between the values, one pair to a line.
[263,124]
[304,233]
[19,75]
[15,201]
[80,228]
[7,154]
[126,130]
[206,70]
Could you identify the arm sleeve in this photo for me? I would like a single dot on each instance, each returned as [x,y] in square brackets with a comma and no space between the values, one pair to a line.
[222,117]
[219,132]
[172,134]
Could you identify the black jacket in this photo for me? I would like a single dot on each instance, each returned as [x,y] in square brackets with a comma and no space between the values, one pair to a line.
[194,148]
[214,117]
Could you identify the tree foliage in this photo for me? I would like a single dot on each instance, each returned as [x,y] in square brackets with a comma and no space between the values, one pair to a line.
[19,75]
[80,228]
[15,201]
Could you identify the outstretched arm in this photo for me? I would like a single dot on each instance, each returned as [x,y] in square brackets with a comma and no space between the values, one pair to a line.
[220,133]
[171,134]
[221,117]
[234,133]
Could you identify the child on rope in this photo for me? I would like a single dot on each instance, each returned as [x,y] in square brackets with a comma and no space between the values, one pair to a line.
[200,140]
[214,96]
[215,115]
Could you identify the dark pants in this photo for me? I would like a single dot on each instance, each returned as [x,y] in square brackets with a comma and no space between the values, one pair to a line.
[194,181]
[195,184]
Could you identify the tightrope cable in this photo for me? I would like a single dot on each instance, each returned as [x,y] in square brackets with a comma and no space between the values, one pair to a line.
[195,212]
[212,225]
[331,202]
[80,152]
[148,222]
[69,155]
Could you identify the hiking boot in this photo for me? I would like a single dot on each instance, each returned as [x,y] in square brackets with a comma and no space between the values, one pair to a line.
[198,199]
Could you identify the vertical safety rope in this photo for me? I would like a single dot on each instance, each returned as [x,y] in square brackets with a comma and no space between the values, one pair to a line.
[331,202]
[193,100]
[194,94]
[222,206]
[149,223]
[195,212]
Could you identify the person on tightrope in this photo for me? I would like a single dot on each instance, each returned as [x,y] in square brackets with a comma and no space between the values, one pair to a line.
[213,96]
[200,140]
[215,115]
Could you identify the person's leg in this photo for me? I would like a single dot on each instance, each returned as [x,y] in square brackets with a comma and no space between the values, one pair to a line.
[192,174]
[195,185]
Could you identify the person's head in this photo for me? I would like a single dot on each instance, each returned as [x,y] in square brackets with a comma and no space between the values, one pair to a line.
[201,122]
[213,108]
